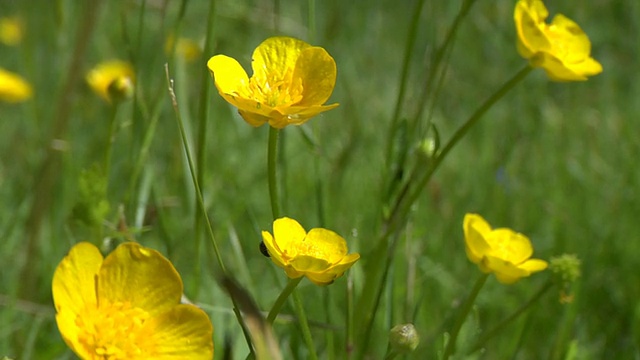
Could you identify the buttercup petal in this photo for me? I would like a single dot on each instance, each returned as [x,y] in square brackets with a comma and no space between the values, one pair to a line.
[475,230]
[288,234]
[326,244]
[183,332]
[505,271]
[139,276]
[528,16]
[74,279]
[533,265]
[74,288]
[309,264]
[228,75]
[575,42]
[317,70]
[509,245]
[275,57]
[273,249]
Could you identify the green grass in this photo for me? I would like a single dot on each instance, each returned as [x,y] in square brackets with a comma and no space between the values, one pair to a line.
[555,161]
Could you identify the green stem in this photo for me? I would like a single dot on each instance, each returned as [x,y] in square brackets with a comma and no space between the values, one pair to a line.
[462,315]
[196,185]
[275,309]
[203,116]
[272,155]
[404,203]
[522,309]
[304,324]
[113,126]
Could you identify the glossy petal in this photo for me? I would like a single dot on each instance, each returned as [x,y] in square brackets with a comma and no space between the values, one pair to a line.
[73,285]
[276,57]
[475,229]
[509,245]
[533,265]
[288,235]
[317,71]
[274,251]
[73,289]
[325,244]
[140,276]
[183,332]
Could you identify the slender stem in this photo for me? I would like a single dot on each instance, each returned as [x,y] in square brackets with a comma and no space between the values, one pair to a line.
[522,309]
[275,309]
[113,126]
[203,115]
[411,197]
[462,315]
[272,155]
[304,324]
[200,199]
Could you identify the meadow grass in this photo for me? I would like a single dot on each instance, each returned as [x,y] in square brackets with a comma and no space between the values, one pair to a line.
[555,161]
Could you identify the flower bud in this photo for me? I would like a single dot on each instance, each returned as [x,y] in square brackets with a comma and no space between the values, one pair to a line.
[404,338]
[120,89]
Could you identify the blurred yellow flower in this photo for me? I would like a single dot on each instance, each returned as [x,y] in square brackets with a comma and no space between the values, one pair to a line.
[561,48]
[186,48]
[13,88]
[10,30]
[291,80]
[113,80]
[127,306]
[320,255]
[502,251]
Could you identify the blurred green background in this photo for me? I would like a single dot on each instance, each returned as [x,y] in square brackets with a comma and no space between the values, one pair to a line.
[557,162]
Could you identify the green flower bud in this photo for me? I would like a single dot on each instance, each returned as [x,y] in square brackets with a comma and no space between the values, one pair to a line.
[404,338]
[566,268]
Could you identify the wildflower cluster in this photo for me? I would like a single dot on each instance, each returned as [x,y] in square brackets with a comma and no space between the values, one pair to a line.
[129,304]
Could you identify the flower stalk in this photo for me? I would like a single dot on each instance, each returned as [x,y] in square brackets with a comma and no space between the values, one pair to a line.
[462,315]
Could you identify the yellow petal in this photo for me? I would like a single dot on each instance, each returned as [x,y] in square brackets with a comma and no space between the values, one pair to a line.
[275,57]
[74,279]
[533,265]
[509,245]
[317,71]
[475,230]
[253,119]
[184,332]
[297,115]
[228,74]
[570,37]
[13,88]
[529,19]
[288,233]
[274,251]
[326,245]
[556,70]
[505,271]
[139,276]
[73,288]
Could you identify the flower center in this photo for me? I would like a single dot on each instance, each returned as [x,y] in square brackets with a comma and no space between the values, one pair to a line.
[115,331]
[275,90]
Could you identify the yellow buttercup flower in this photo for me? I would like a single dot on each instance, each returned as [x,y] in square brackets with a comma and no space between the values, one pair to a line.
[502,251]
[11,30]
[13,88]
[320,255]
[113,80]
[127,306]
[291,80]
[561,48]
[186,48]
